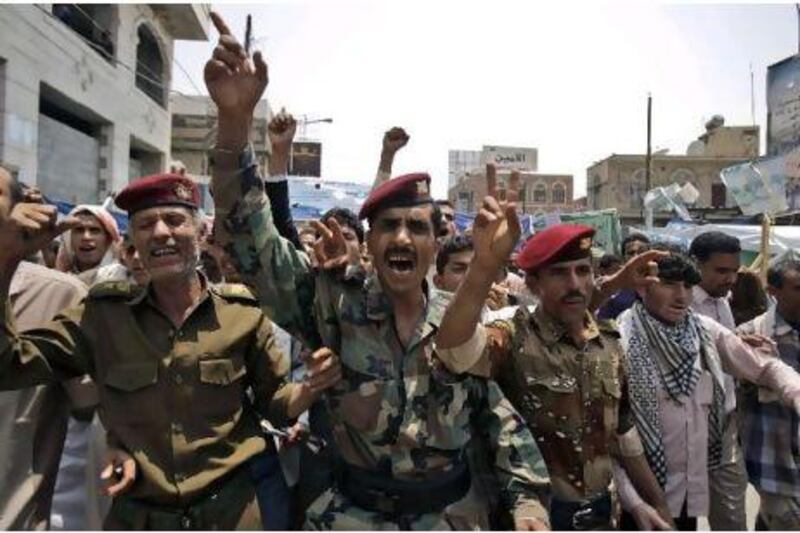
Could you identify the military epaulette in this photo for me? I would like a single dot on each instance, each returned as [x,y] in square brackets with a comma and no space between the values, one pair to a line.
[608,325]
[114,289]
[235,291]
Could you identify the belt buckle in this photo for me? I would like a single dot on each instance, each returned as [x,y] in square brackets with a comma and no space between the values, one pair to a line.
[582,517]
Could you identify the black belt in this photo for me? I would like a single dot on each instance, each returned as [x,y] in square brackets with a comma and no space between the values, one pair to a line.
[382,494]
[581,516]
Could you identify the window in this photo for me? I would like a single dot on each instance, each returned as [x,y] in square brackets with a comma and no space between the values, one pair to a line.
[92,22]
[150,66]
[559,193]
[718,195]
[540,193]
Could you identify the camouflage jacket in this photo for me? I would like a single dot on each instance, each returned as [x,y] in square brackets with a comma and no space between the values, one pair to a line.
[395,411]
[574,400]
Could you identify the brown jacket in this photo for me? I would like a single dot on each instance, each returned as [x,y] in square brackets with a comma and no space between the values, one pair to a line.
[175,399]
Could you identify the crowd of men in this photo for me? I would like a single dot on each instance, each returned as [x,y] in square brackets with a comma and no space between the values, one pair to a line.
[382,370]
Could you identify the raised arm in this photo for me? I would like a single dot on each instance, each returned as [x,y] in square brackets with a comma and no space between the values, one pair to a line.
[244,226]
[495,233]
[281,131]
[393,140]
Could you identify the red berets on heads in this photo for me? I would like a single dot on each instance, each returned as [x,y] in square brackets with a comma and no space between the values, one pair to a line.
[403,191]
[562,242]
[161,189]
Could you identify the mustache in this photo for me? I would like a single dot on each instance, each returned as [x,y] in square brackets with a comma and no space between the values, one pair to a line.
[573,294]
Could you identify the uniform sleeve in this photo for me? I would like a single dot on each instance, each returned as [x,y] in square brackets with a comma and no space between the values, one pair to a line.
[267,370]
[482,354]
[518,464]
[54,352]
[280,274]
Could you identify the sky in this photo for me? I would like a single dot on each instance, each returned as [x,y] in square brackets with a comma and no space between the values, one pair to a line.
[569,78]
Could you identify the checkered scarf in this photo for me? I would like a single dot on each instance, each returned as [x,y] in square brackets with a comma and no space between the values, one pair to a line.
[659,352]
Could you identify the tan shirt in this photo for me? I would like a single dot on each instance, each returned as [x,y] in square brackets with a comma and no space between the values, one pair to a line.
[33,421]
[175,399]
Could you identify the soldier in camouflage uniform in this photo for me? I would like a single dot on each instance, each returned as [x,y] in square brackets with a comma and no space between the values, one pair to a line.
[559,368]
[401,422]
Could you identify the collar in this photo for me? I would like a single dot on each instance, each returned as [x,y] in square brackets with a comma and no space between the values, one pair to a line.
[379,306]
[553,331]
[777,324]
[699,295]
[148,293]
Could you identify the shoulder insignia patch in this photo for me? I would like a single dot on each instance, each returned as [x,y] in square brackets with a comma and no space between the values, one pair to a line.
[114,289]
[235,291]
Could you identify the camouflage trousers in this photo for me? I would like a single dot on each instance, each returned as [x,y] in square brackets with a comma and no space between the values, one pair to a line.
[333,511]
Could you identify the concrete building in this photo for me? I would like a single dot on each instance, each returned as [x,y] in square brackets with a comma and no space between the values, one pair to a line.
[84,92]
[618,181]
[461,162]
[194,134]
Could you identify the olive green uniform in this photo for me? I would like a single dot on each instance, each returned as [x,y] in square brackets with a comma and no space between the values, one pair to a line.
[173,398]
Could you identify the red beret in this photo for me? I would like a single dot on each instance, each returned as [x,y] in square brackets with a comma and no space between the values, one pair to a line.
[403,191]
[562,242]
[161,189]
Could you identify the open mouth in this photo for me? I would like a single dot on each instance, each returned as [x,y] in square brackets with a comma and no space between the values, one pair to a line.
[163,252]
[87,248]
[401,262]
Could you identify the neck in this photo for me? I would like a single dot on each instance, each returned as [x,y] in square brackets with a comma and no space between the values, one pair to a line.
[576,328]
[177,296]
[408,303]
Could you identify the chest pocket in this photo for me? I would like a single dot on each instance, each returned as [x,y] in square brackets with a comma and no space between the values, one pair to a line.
[221,392]
[131,392]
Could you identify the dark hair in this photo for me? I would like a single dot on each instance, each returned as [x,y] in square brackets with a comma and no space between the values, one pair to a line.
[634,237]
[677,266]
[608,260]
[714,242]
[780,267]
[454,245]
[345,217]
[436,218]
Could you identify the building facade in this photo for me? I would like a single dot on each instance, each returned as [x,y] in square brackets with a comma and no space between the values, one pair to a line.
[194,135]
[539,193]
[619,181]
[84,92]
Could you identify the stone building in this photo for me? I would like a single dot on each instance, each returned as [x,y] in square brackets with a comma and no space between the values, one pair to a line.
[194,134]
[618,181]
[539,193]
[84,92]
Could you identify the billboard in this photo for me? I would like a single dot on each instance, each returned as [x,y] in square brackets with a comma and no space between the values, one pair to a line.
[783,106]
[306,159]
[510,157]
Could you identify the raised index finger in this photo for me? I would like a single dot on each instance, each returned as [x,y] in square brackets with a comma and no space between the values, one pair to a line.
[220,24]
[491,180]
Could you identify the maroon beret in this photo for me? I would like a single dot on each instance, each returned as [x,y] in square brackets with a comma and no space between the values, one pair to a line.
[161,189]
[403,191]
[562,242]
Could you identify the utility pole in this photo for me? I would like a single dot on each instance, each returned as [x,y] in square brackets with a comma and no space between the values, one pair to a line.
[648,153]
